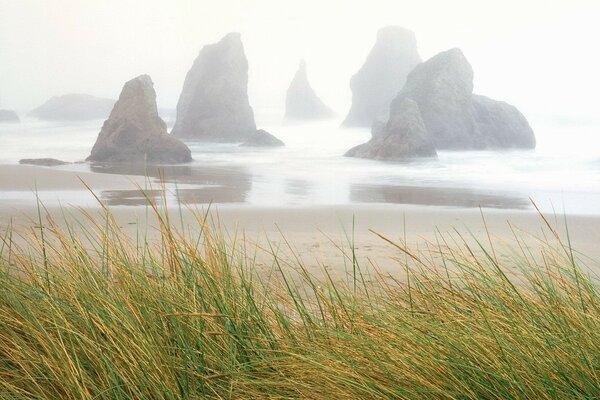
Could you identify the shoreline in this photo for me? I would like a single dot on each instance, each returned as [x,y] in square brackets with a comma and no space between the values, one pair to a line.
[316,231]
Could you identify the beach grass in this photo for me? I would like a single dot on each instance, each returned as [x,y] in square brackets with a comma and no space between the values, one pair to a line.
[89,312]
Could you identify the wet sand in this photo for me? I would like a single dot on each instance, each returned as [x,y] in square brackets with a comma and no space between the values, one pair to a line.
[314,232]
[29,178]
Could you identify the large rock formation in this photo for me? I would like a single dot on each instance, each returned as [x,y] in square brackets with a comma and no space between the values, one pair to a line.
[404,136]
[262,138]
[214,102]
[302,103]
[73,107]
[442,87]
[9,116]
[439,93]
[382,76]
[134,132]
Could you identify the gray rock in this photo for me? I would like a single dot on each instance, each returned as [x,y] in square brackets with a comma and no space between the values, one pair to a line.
[9,116]
[402,138]
[134,131]
[262,138]
[44,162]
[214,105]
[73,107]
[382,76]
[502,124]
[442,87]
[455,119]
[302,103]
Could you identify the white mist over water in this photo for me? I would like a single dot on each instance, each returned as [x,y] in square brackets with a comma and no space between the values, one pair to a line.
[311,169]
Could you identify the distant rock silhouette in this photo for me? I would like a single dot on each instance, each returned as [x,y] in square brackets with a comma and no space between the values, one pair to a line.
[214,105]
[73,107]
[382,75]
[44,162]
[302,103]
[262,138]
[134,132]
[442,87]
[404,136]
[437,110]
[9,116]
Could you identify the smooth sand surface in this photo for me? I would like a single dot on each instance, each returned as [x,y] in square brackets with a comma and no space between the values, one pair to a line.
[324,235]
[30,178]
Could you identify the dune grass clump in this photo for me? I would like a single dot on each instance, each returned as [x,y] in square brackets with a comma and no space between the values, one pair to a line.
[92,313]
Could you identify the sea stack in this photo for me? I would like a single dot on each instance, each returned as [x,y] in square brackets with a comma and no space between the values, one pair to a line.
[456,119]
[302,103]
[437,110]
[382,75]
[214,105]
[73,107]
[403,137]
[134,132]
[9,116]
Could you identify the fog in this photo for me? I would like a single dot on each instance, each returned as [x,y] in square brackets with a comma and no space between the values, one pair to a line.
[541,56]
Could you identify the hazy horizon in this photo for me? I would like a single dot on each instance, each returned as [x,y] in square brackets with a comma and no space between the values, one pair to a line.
[536,55]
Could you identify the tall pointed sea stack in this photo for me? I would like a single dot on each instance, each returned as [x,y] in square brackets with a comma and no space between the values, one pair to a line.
[214,105]
[302,103]
[382,75]
[134,132]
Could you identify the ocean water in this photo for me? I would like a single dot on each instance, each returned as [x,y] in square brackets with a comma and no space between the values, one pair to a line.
[562,174]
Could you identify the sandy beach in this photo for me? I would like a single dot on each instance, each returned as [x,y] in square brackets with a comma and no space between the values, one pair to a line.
[319,234]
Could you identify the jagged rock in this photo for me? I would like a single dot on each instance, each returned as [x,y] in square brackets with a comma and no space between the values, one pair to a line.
[262,138]
[302,103]
[73,107]
[382,75]
[44,162]
[9,116]
[440,92]
[134,131]
[214,105]
[403,137]
[442,87]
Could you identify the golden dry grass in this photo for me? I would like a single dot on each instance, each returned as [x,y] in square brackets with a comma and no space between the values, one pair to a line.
[89,313]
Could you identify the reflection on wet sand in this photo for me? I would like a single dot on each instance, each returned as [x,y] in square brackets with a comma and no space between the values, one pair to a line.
[201,184]
[215,185]
[297,187]
[435,196]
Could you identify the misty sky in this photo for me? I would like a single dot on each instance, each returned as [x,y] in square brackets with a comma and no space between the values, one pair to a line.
[542,56]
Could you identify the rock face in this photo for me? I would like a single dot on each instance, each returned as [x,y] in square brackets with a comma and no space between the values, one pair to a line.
[45,162]
[404,136]
[9,116]
[439,93]
[262,138]
[302,103]
[134,132]
[456,119]
[214,105]
[502,124]
[73,107]
[382,76]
